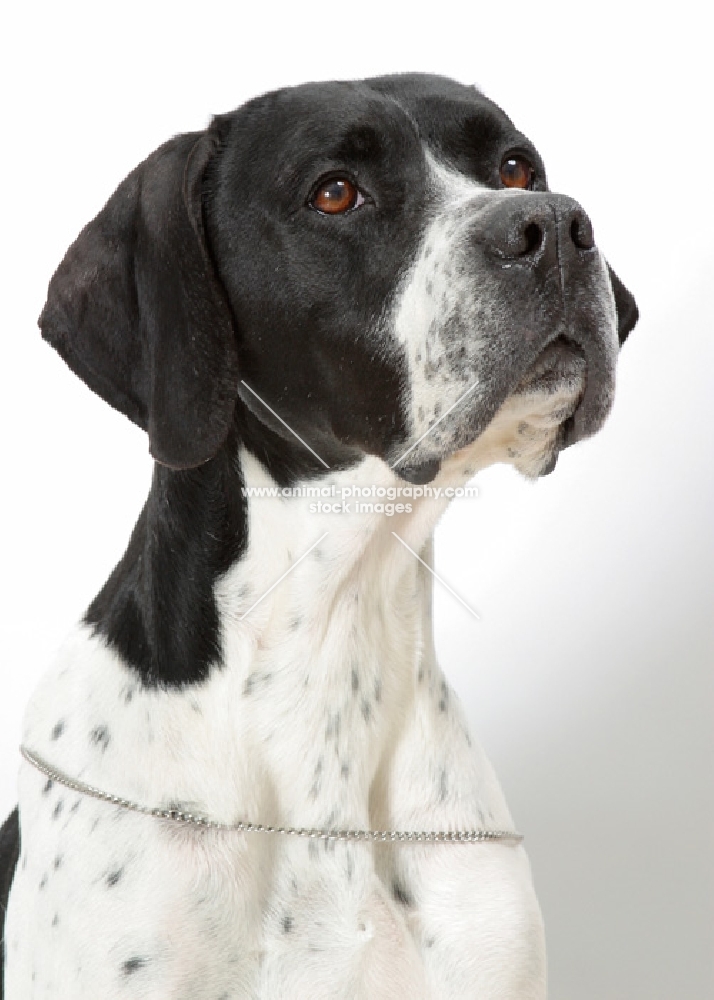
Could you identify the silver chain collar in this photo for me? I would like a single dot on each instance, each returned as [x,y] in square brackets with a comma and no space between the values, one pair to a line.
[178,816]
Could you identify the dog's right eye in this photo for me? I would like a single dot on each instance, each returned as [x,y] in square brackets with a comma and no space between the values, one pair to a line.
[336,196]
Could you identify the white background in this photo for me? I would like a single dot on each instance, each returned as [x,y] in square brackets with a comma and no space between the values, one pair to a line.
[589,677]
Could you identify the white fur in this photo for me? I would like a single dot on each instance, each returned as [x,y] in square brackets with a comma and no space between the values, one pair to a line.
[438,290]
[329,711]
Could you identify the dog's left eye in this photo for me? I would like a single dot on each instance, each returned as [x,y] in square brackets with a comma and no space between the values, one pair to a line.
[336,196]
[517,172]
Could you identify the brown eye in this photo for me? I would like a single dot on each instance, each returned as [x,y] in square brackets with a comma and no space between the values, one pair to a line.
[517,172]
[337,196]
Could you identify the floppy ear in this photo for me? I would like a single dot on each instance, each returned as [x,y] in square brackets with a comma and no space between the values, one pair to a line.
[136,310]
[627,311]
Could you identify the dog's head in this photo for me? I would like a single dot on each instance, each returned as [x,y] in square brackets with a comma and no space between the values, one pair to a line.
[378,266]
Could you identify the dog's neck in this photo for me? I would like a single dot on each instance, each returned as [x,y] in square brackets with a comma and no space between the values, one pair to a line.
[326,622]
[336,552]
[255,635]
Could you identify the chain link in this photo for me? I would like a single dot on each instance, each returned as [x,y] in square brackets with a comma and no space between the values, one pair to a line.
[179,816]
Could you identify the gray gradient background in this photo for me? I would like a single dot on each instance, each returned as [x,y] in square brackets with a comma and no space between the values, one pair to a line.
[589,678]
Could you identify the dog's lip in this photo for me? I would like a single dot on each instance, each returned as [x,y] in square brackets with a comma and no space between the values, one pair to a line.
[561,363]
[560,367]
[419,474]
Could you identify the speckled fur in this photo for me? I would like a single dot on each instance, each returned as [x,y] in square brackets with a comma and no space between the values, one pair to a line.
[327,708]
[445,317]
[331,710]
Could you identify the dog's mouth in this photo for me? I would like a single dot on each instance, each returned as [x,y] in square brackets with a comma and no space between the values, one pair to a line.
[559,369]
[548,394]
[558,377]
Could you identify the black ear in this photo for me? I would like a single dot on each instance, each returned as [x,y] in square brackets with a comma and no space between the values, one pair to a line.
[136,310]
[627,311]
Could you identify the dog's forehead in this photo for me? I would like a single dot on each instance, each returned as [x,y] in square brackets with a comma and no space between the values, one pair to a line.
[367,119]
[347,116]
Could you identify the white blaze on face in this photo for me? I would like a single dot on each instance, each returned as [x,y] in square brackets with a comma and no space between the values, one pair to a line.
[449,309]
[444,309]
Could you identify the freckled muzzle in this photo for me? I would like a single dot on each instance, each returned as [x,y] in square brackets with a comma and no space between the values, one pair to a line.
[530,312]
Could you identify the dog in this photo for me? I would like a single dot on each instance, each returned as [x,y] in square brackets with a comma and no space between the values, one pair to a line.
[341,286]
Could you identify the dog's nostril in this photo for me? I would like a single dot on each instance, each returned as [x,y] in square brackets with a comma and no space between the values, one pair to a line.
[581,232]
[532,239]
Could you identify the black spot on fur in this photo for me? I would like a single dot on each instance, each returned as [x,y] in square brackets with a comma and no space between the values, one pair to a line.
[58,809]
[401,895]
[287,923]
[57,730]
[132,965]
[114,876]
[444,701]
[100,737]
[57,863]
[43,881]
[55,920]
[48,786]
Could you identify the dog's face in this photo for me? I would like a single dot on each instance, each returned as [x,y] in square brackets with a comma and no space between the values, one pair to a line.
[381,263]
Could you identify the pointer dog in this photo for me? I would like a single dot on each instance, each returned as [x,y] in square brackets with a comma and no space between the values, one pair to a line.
[342,283]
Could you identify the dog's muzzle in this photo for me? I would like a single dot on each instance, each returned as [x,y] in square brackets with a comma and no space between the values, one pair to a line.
[551,236]
[527,268]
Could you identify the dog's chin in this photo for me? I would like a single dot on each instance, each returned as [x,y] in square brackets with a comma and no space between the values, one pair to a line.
[559,370]
[529,429]
[552,389]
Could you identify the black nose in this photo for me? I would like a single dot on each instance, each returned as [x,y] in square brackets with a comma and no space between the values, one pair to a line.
[529,226]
